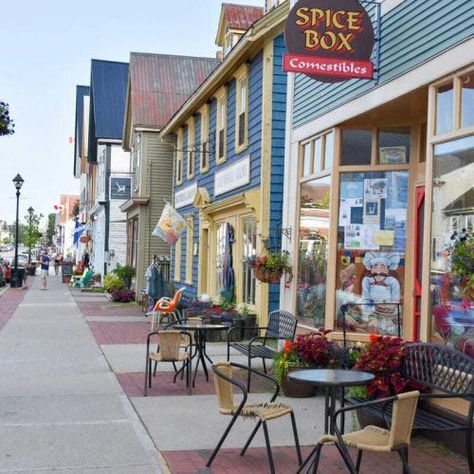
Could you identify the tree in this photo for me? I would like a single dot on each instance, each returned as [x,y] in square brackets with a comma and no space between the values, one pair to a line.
[32,234]
[7,125]
[50,231]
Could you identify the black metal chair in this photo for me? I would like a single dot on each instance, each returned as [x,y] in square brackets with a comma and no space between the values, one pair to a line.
[281,326]
[263,412]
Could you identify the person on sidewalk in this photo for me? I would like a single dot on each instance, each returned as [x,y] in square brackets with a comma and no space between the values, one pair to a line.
[44,269]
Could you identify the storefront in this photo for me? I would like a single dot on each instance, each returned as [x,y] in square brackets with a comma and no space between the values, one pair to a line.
[371,153]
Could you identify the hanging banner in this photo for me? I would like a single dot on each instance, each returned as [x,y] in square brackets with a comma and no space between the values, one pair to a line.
[329,40]
[170,226]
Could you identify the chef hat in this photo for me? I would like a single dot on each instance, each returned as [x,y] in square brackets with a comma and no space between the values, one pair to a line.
[391,260]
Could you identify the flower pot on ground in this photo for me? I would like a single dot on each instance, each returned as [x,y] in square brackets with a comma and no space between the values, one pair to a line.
[126,273]
[123,296]
[113,282]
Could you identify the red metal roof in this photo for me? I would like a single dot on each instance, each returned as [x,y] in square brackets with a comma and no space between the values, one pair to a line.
[241,17]
[161,83]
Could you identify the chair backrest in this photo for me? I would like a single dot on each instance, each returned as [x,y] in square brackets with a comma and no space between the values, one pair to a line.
[439,367]
[170,342]
[163,304]
[403,415]
[225,396]
[281,324]
[89,274]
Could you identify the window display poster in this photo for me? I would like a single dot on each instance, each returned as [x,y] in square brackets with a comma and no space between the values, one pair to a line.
[372,281]
[345,211]
[352,189]
[353,236]
[371,211]
[375,188]
[390,155]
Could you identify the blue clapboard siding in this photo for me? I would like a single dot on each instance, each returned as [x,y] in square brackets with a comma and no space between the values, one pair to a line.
[412,33]
[278,151]
[254,150]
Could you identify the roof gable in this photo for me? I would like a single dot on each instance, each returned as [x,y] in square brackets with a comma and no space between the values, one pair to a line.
[108,90]
[238,18]
[161,83]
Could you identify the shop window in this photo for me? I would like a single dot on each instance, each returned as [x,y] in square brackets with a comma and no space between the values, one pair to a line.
[241,109]
[249,250]
[313,251]
[356,147]
[191,154]
[371,250]
[177,259]
[179,156]
[318,155]
[221,127]
[394,145]
[189,249]
[452,254]
[467,100]
[444,109]
[328,150]
[205,145]
[220,257]
[306,156]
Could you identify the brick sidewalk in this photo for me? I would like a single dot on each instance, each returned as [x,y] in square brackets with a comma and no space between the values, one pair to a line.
[120,332]
[107,308]
[9,302]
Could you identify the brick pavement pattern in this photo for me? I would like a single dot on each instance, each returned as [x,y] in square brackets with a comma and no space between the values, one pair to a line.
[9,302]
[107,308]
[120,333]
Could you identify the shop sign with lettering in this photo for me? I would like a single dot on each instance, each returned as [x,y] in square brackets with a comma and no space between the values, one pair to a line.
[185,196]
[329,40]
[232,177]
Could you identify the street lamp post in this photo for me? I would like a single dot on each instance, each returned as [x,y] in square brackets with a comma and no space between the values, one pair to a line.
[18,182]
[30,214]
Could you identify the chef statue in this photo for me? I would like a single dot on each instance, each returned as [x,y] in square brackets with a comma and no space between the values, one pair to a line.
[381,287]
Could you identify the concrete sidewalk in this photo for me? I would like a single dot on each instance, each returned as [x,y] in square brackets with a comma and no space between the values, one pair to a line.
[61,407]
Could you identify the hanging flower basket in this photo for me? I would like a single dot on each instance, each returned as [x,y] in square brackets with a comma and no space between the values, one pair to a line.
[84,239]
[269,268]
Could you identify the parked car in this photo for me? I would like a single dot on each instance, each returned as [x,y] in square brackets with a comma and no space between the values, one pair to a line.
[22,260]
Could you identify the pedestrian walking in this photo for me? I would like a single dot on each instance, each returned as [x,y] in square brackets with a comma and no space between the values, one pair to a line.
[57,263]
[44,269]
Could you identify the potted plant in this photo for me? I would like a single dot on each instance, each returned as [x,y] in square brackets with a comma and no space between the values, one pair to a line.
[249,320]
[462,265]
[311,350]
[126,273]
[383,357]
[113,282]
[270,267]
[123,296]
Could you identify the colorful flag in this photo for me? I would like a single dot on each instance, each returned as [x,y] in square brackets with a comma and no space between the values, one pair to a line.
[78,230]
[170,226]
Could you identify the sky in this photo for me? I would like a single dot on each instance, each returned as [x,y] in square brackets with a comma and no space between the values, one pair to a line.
[46,51]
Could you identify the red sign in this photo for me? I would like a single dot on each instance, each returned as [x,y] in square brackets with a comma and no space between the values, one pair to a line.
[331,40]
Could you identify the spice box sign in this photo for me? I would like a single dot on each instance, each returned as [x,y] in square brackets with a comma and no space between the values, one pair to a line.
[232,177]
[331,40]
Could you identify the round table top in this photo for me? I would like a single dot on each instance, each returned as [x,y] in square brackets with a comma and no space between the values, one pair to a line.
[332,377]
[198,327]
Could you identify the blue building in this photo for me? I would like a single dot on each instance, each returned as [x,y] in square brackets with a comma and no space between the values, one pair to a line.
[229,154]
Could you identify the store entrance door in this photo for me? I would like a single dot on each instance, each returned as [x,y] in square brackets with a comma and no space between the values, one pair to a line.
[419,228]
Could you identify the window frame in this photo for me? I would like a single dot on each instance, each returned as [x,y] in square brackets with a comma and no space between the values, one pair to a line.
[241,77]
[221,119]
[205,140]
[179,156]
[190,148]
[189,249]
[323,171]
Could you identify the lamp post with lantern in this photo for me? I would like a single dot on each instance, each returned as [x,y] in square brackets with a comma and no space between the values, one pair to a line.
[18,182]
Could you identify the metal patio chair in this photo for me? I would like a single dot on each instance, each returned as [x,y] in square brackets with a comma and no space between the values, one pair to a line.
[170,349]
[263,412]
[374,438]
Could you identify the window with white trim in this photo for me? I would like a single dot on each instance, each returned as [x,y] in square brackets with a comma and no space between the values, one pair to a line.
[205,143]
[179,156]
[241,117]
[190,150]
[221,130]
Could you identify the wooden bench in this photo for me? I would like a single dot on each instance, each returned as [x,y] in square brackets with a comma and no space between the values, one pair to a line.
[281,326]
[442,369]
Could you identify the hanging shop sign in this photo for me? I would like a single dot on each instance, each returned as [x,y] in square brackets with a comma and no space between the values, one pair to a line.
[329,40]
[232,177]
[185,196]
[120,188]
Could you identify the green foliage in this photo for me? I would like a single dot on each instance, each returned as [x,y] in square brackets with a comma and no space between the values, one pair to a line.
[226,304]
[127,271]
[7,126]
[462,264]
[32,234]
[50,229]
[113,282]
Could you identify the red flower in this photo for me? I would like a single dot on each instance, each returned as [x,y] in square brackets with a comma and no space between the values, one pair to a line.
[287,346]
[374,337]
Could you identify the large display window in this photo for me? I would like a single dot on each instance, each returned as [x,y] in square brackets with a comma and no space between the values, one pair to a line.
[452,244]
[371,246]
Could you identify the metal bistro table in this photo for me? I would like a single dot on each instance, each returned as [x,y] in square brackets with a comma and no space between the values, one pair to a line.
[332,380]
[200,338]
